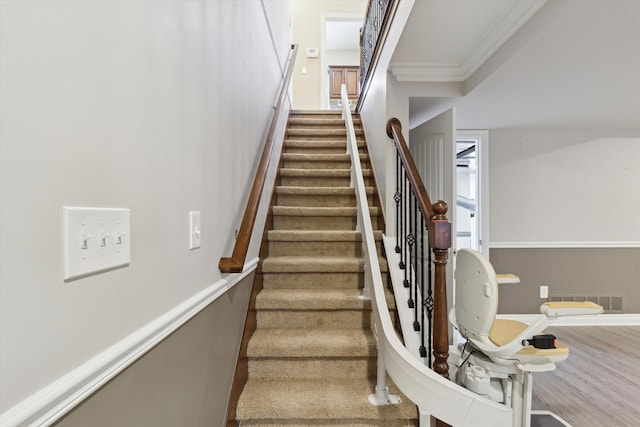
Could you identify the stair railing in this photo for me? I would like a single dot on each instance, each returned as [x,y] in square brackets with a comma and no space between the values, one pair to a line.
[372,36]
[235,263]
[424,273]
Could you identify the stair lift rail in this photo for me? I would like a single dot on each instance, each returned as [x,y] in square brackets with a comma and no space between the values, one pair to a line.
[435,395]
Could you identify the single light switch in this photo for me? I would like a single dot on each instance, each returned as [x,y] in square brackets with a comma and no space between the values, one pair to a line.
[194,230]
[95,240]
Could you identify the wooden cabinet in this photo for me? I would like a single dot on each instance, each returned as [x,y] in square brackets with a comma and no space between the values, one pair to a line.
[349,75]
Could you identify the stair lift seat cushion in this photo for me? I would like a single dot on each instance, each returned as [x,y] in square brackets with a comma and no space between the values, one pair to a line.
[505,330]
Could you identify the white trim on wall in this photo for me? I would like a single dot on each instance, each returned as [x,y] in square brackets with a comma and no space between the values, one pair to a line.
[562,245]
[595,320]
[55,400]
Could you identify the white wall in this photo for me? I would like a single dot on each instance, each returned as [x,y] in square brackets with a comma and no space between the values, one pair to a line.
[564,186]
[160,107]
[342,57]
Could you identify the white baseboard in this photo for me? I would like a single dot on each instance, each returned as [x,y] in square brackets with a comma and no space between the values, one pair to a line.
[55,400]
[631,319]
[564,245]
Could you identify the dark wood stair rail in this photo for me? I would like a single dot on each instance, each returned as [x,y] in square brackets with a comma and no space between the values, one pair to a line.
[235,263]
[439,227]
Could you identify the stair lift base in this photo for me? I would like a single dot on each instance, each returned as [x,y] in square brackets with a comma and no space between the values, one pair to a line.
[498,358]
[504,384]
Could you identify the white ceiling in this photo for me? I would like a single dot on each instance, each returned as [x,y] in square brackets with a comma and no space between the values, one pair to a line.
[523,64]
[342,35]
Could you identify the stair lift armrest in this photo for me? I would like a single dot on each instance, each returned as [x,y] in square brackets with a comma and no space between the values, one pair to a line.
[507,278]
[570,308]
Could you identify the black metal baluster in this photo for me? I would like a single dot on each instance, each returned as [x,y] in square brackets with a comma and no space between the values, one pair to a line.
[414,210]
[403,225]
[429,303]
[410,241]
[423,350]
[396,198]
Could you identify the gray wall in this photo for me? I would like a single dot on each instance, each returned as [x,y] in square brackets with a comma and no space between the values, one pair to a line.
[580,272]
[184,381]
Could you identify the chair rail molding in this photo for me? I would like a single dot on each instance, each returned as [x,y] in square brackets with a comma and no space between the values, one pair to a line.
[56,399]
[564,244]
[631,319]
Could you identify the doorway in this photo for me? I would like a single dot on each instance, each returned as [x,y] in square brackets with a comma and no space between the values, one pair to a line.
[472,226]
[340,50]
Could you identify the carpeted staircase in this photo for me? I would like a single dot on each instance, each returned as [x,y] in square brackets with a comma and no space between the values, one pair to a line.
[312,357]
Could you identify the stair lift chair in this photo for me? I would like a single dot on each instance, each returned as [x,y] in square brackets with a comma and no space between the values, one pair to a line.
[497,360]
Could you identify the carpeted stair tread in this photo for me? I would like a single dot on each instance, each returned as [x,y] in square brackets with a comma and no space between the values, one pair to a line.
[305,143]
[319,211]
[320,196]
[320,121]
[316,400]
[311,342]
[320,157]
[320,191]
[296,264]
[323,132]
[325,280]
[313,368]
[326,173]
[343,422]
[318,235]
[315,299]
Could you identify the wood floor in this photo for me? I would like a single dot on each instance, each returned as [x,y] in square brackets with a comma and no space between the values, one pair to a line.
[599,384]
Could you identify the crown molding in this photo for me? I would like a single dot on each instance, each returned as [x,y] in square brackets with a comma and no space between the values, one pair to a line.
[506,24]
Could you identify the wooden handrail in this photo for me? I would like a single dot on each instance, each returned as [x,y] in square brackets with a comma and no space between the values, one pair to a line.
[394,131]
[235,263]
[439,241]
[381,25]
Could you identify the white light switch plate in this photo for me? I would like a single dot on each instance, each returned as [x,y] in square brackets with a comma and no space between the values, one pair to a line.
[95,240]
[194,230]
